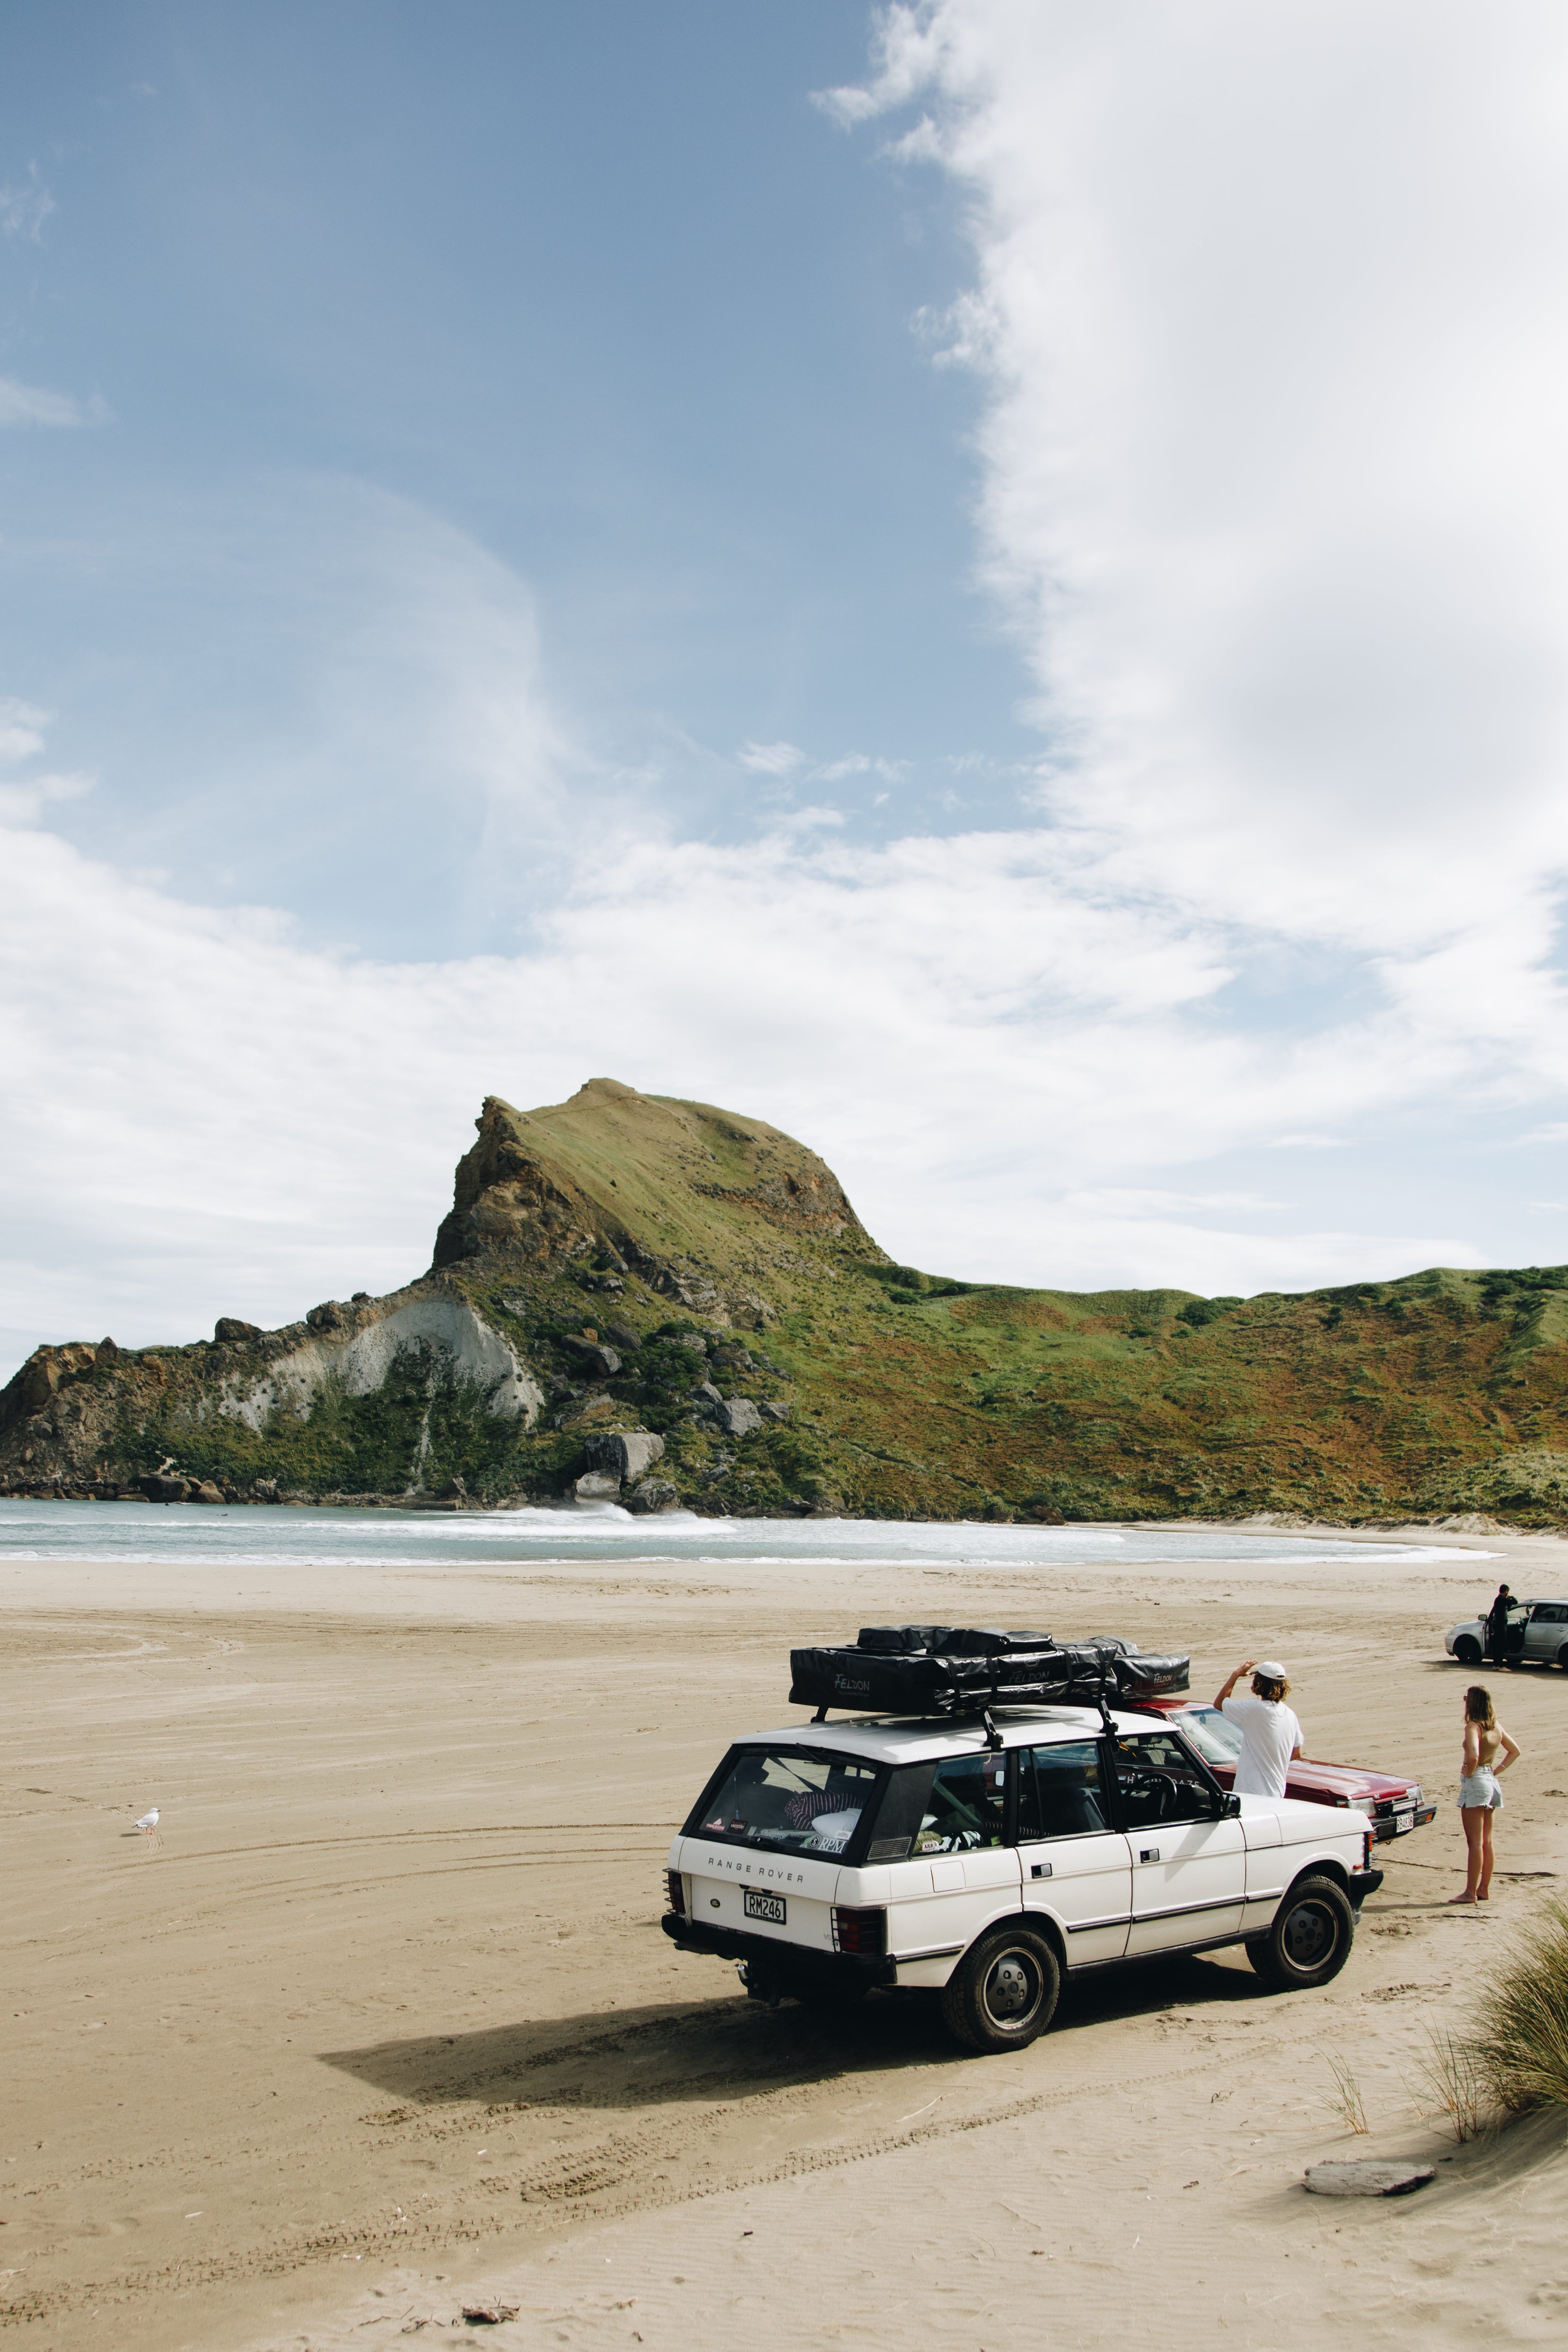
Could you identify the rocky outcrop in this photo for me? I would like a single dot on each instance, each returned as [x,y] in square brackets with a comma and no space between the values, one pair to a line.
[511,1198]
[625,1453]
[355,1347]
[41,1378]
[653,1494]
[159,1489]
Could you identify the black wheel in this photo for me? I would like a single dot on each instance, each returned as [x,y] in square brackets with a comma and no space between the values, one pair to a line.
[1002,1992]
[1467,1649]
[1310,1939]
[1562,1655]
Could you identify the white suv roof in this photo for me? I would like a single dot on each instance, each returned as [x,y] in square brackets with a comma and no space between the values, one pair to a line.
[893,1739]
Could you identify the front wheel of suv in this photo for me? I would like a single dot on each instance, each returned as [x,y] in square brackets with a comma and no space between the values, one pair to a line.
[1310,1939]
[1002,1992]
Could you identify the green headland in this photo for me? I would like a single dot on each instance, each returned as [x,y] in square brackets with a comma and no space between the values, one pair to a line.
[626,1262]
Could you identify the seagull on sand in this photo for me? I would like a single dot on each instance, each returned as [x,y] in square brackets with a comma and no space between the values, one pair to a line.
[148,1825]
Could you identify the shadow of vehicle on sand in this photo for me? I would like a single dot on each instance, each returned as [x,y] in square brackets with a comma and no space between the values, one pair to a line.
[653,2056]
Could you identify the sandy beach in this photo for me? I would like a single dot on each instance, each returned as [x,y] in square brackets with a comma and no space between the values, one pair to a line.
[387,2025]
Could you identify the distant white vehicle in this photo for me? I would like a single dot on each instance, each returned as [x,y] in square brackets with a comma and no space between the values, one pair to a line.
[1537,1636]
[986,1860]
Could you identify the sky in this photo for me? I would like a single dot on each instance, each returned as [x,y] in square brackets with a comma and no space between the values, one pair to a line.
[983,580]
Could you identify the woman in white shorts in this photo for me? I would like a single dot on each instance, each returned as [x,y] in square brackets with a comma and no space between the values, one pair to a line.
[1487,1753]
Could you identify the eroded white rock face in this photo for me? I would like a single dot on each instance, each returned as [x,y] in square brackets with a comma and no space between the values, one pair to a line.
[362,1361]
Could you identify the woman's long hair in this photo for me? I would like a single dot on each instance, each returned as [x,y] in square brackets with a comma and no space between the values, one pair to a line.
[1479,1708]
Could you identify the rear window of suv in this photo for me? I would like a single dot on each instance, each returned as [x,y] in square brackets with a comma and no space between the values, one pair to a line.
[789,1800]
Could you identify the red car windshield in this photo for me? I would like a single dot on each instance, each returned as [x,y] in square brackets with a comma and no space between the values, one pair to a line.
[1216,1741]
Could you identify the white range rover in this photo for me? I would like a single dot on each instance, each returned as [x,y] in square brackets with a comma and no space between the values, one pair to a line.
[985,1859]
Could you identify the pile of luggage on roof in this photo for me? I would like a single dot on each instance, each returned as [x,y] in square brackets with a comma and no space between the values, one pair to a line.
[962,1669]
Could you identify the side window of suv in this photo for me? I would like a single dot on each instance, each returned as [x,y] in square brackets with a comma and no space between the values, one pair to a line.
[965,1808]
[1059,1792]
[1158,1779]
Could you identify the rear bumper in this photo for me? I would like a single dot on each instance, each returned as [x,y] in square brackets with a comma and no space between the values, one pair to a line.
[780,1963]
[1359,1885]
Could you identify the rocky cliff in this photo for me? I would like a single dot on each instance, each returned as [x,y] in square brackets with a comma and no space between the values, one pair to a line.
[658,1301]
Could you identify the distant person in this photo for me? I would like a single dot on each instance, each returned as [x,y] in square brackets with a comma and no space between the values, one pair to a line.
[1487,1753]
[1271,1735]
[1497,1625]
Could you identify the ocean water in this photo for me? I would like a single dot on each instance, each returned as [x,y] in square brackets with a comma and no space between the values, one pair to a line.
[279,1536]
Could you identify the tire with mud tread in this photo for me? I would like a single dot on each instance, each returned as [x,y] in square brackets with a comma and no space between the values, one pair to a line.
[1467,1649]
[1002,1992]
[1310,1939]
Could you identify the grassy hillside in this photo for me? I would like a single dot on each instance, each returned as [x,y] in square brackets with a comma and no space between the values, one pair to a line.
[700,1246]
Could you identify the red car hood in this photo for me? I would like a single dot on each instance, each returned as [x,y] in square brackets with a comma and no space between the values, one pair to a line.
[1307,1777]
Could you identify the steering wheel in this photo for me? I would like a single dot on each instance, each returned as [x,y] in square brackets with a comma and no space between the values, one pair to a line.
[1162,1791]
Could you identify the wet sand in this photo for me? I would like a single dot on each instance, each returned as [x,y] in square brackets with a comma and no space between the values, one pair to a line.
[387,2024]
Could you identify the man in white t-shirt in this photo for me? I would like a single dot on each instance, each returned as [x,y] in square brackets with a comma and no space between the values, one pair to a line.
[1271,1735]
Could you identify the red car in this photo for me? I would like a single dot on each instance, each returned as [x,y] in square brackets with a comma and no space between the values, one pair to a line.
[1392,1805]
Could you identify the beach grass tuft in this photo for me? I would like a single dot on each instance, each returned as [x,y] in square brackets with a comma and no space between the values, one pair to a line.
[1452,2077]
[1521,2048]
[1346,2099]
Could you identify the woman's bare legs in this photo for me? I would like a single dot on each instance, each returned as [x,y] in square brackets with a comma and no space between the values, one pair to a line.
[1483,1890]
[1477,1825]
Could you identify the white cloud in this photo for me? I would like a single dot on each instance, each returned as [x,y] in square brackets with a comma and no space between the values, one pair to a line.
[25,207]
[22,726]
[31,403]
[861,763]
[772,759]
[1128,1199]
[1267,308]
[23,799]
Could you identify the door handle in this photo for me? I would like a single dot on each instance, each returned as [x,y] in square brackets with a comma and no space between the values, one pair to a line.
[1148,1854]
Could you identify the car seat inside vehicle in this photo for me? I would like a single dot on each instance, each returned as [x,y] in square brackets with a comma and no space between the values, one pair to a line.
[1058,1792]
[966,1807]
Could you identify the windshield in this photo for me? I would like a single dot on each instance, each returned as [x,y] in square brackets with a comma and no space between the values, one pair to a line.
[1216,1741]
[786,1799]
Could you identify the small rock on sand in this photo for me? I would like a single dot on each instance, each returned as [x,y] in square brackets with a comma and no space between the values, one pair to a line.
[1369,2176]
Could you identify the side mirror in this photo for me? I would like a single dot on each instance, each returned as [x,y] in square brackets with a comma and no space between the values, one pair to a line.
[1230,1808]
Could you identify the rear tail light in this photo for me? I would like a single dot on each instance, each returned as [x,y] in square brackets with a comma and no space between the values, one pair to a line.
[865,1932]
[1366,1845]
[677,1891]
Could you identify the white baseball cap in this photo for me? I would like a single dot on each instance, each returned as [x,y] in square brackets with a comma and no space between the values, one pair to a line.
[1270,1670]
